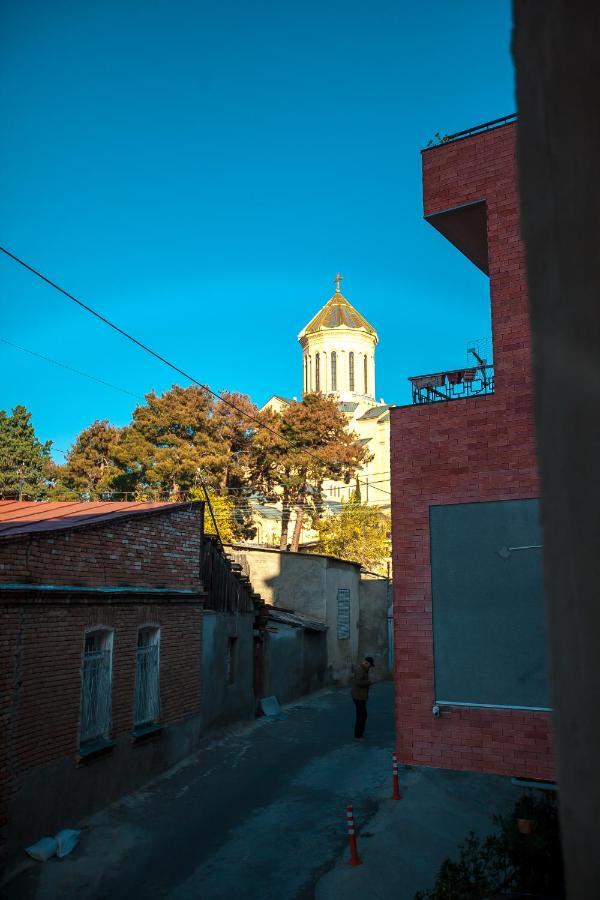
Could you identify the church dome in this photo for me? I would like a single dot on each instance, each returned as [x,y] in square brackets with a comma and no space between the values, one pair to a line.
[337,312]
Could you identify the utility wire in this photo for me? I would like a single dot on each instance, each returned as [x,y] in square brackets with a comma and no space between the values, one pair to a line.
[156,355]
[62,365]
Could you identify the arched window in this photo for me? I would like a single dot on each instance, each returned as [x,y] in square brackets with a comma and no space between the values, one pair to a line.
[96,686]
[333,370]
[365,364]
[318,372]
[351,370]
[147,680]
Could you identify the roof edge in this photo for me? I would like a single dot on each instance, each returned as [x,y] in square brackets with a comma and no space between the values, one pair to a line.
[492,125]
[101,519]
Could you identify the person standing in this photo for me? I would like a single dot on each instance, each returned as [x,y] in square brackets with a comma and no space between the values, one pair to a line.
[360,694]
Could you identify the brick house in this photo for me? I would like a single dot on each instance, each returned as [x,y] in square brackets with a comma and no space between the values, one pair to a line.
[100,651]
[470,669]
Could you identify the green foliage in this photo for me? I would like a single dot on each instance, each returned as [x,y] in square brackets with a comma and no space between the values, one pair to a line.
[311,444]
[172,443]
[232,525]
[360,533]
[90,470]
[507,861]
[25,464]
[184,438]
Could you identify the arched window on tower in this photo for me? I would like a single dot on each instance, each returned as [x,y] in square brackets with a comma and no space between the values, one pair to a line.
[318,372]
[333,370]
[365,366]
[351,370]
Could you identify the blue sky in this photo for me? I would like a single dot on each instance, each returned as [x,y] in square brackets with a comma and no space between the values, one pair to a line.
[199,172]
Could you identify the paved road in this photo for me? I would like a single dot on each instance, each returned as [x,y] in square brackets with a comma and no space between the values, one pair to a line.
[259,813]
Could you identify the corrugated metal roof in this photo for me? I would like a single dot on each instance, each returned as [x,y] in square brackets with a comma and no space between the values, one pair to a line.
[374,412]
[22,518]
[297,619]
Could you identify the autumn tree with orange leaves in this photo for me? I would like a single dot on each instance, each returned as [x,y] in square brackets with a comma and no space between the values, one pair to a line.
[294,452]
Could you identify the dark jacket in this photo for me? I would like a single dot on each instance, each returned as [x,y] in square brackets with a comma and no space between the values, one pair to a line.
[360,684]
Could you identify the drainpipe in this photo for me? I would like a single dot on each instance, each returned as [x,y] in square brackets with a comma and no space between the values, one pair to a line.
[390,622]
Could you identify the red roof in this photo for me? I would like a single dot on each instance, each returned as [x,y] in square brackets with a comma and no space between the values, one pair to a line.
[21,518]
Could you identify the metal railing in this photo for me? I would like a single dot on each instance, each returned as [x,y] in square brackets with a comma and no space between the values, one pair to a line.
[147,686]
[96,701]
[456,384]
[227,591]
[468,132]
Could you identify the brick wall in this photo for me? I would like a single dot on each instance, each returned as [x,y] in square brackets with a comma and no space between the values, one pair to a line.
[465,451]
[42,640]
[147,550]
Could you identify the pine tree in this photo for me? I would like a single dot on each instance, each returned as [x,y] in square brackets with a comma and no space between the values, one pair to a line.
[90,471]
[312,444]
[24,460]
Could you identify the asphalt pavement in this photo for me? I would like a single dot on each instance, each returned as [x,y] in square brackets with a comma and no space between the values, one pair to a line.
[259,812]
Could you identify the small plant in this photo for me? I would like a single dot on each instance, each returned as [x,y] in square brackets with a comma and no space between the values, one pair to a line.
[508,860]
[525,807]
[438,139]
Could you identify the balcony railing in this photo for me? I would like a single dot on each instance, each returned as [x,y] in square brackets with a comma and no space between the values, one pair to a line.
[469,132]
[454,385]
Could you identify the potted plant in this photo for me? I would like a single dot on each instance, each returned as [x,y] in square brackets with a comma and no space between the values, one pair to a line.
[524,813]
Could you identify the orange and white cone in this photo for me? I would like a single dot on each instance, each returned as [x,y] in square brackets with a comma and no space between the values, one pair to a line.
[354,857]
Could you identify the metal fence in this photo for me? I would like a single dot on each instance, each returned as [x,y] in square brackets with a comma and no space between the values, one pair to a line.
[96,699]
[454,385]
[147,685]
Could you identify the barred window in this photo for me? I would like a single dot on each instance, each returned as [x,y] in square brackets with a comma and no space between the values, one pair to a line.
[333,370]
[96,686]
[147,677]
[343,617]
[318,372]
[351,370]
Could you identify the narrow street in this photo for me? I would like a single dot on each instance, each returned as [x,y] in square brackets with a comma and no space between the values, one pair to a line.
[259,813]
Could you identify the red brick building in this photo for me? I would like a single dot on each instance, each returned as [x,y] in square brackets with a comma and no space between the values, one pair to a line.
[100,652]
[471,687]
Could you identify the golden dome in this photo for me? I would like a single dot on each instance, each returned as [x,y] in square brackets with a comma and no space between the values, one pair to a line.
[337,313]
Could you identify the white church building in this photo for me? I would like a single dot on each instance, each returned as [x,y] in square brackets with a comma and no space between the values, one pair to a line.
[338,359]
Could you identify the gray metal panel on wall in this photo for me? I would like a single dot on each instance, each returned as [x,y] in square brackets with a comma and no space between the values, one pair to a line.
[488,604]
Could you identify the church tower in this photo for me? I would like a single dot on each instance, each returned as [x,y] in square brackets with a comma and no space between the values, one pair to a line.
[338,352]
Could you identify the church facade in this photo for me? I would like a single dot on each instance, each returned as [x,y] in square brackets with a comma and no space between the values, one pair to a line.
[338,360]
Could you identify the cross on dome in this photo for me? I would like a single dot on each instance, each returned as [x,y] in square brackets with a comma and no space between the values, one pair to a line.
[338,278]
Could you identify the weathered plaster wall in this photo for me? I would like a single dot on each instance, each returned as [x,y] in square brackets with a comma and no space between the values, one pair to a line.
[373,639]
[223,702]
[309,584]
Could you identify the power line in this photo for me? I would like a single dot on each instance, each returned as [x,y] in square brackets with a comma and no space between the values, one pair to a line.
[158,356]
[56,362]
